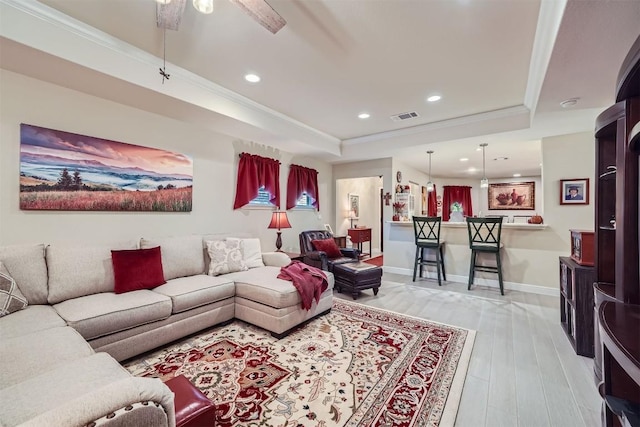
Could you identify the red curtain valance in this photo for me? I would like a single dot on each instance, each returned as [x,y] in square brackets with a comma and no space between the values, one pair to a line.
[456,193]
[255,172]
[302,180]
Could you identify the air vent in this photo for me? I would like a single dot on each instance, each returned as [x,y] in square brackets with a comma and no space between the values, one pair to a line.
[405,116]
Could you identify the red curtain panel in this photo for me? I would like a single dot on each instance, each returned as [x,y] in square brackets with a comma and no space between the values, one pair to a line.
[456,193]
[432,202]
[302,180]
[254,172]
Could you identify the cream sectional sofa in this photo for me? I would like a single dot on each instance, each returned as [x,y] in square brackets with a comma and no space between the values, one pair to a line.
[60,354]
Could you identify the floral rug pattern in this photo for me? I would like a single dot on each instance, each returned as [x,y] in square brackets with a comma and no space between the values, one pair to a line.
[356,366]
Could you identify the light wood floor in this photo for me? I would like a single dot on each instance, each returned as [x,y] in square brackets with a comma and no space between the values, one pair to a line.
[523,370]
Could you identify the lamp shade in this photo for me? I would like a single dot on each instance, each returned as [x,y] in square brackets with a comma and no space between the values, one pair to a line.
[279,220]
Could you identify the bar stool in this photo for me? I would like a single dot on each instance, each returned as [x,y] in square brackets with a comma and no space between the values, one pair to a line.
[427,236]
[484,236]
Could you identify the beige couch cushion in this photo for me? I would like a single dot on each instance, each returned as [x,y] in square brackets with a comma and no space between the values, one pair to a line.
[181,256]
[22,357]
[34,318]
[226,257]
[27,266]
[101,314]
[76,270]
[193,291]
[73,379]
[262,285]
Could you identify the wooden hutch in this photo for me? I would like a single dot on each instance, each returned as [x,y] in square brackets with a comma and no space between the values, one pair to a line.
[617,249]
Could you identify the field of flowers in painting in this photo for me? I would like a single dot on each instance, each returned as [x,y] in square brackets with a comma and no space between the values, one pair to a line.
[166,200]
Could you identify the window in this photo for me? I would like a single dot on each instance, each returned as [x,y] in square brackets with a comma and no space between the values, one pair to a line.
[263,199]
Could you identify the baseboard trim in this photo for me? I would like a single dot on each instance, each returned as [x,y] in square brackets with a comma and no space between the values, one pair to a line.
[523,287]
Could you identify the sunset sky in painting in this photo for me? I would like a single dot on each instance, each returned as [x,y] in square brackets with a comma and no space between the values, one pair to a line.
[42,141]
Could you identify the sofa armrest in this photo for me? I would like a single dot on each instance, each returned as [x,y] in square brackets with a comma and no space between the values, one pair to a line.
[318,259]
[276,259]
[149,397]
[350,252]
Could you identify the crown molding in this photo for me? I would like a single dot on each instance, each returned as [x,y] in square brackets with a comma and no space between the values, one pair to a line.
[46,29]
[549,20]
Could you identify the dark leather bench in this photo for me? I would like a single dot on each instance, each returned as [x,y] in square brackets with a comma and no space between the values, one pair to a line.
[356,277]
[193,409]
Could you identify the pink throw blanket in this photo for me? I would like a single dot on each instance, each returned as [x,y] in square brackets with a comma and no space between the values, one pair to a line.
[310,282]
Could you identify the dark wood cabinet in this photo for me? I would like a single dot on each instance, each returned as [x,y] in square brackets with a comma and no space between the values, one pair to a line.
[576,304]
[617,249]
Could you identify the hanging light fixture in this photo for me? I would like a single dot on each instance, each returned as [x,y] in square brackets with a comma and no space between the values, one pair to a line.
[484,182]
[203,6]
[429,183]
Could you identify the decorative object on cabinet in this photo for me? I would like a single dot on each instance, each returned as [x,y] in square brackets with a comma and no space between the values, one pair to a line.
[576,305]
[279,220]
[354,206]
[574,191]
[70,172]
[512,196]
[582,247]
[398,207]
[535,219]
[404,206]
[617,291]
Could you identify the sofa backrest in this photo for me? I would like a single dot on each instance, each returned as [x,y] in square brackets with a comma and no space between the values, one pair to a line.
[77,270]
[27,267]
[181,256]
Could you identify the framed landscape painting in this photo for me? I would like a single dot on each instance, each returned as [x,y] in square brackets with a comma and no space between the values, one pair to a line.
[71,172]
[512,196]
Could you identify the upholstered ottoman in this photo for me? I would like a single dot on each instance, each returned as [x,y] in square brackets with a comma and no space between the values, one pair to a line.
[356,277]
[193,409]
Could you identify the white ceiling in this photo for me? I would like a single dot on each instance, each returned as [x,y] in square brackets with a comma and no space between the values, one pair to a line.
[502,68]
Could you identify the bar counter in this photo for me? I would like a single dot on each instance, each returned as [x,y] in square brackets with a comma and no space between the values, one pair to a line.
[529,255]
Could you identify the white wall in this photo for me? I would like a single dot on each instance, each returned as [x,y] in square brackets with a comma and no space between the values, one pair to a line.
[26,100]
[368,190]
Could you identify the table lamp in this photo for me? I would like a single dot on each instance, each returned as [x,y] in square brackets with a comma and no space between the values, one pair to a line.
[279,220]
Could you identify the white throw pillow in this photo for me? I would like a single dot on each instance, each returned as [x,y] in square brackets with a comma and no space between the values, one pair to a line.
[251,250]
[11,299]
[226,257]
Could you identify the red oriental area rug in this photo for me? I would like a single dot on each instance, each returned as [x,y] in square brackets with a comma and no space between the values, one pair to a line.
[356,366]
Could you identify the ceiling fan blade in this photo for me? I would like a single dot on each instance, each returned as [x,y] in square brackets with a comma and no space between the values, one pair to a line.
[262,12]
[169,15]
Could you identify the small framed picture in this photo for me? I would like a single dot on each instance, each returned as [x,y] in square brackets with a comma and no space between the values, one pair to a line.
[574,191]
[328,228]
[354,206]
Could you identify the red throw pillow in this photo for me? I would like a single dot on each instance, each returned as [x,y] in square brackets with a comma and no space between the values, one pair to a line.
[135,269]
[329,246]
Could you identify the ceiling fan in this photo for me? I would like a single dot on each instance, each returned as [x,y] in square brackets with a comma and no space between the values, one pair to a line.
[169,12]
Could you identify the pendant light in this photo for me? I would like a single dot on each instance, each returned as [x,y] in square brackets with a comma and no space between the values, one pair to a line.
[203,6]
[429,184]
[484,182]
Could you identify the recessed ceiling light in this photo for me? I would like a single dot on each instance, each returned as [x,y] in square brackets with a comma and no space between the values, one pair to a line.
[464,159]
[364,115]
[501,158]
[252,78]
[479,149]
[434,98]
[517,175]
[471,169]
